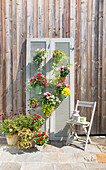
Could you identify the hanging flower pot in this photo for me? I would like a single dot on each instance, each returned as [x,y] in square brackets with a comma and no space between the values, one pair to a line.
[38,90]
[62,96]
[12,139]
[63,79]
[33,105]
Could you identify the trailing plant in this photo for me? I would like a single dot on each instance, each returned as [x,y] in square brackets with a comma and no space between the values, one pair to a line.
[40,56]
[50,99]
[47,109]
[40,138]
[24,138]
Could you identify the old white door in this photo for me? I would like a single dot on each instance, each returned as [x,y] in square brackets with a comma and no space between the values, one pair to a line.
[55,125]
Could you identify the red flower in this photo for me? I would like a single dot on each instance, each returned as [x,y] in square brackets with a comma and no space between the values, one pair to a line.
[39,134]
[43,138]
[47,137]
[34,114]
[35,77]
[38,80]
[38,116]
[31,79]
[36,103]
[43,133]
[39,140]
[38,74]
[35,118]
[34,136]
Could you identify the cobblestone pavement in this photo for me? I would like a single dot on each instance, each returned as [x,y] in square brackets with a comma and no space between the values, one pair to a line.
[55,156]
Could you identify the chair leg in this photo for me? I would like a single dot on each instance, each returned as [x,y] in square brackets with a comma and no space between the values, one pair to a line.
[86,135]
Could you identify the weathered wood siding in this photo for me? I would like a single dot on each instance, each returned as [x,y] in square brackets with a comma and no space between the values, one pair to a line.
[84,20]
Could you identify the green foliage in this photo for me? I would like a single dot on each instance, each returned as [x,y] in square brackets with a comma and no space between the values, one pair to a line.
[40,56]
[24,138]
[58,54]
[40,138]
[47,109]
[33,100]
[7,127]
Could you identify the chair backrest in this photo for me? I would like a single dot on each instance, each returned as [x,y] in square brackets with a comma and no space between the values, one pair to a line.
[87,104]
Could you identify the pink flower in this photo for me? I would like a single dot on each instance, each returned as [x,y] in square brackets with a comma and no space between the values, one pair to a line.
[35,77]
[38,80]
[62,69]
[67,85]
[47,97]
[39,140]
[43,133]
[31,79]
[44,94]
[43,138]
[34,118]
[34,136]
[38,74]
[59,84]
[47,137]
[34,114]
[39,134]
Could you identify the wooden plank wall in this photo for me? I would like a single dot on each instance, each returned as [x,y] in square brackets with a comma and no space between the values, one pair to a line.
[84,20]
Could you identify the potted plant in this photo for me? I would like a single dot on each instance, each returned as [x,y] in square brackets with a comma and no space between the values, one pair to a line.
[64,71]
[33,102]
[40,56]
[58,54]
[49,102]
[63,89]
[40,139]
[37,82]
[24,138]
[33,122]
[8,128]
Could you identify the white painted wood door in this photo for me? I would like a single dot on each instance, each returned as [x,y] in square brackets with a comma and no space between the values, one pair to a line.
[55,125]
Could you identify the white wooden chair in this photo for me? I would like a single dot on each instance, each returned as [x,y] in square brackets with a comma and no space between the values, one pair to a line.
[73,138]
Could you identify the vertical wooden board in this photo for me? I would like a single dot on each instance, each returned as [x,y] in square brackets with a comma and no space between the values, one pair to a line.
[57,19]
[30,19]
[51,19]
[100,37]
[14,64]
[0,62]
[35,18]
[41,18]
[24,33]
[46,18]
[61,16]
[103,110]
[3,78]
[83,50]
[96,122]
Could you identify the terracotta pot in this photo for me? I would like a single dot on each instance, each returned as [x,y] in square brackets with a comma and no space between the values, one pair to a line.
[12,139]
[63,79]
[33,105]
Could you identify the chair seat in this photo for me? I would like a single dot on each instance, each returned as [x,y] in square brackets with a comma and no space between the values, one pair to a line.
[77,123]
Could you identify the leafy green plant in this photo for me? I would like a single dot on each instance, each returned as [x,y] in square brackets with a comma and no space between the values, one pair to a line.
[40,138]
[37,80]
[24,138]
[47,109]
[33,102]
[50,99]
[40,56]
[64,71]
[7,127]
[58,54]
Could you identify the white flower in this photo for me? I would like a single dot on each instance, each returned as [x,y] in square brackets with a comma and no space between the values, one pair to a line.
[37,49]
[42,57]
[42,49]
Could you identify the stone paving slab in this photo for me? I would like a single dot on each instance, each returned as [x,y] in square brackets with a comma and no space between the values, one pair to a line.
[95,166]
[10,166]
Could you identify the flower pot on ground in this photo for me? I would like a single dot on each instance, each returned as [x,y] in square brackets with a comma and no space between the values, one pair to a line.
[38,89]
[49,102]
[40,138]
[33,102]
[12,139]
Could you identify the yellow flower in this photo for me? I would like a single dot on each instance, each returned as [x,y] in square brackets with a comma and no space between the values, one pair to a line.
[66,91]
[10,130]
